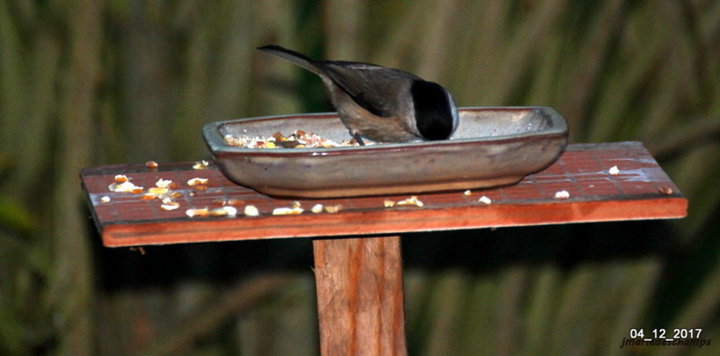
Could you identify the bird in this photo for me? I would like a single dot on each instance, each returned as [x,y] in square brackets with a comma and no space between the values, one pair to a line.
[379,103]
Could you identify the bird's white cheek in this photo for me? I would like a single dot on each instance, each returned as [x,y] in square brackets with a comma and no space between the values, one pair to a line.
[453,111]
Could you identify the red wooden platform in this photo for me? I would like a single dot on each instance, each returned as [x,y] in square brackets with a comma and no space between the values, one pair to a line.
[639,191]
[356,310]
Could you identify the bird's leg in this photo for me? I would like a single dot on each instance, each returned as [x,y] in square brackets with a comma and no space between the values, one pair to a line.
[357,138]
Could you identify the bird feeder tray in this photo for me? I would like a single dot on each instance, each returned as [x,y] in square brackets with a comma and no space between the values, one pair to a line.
[492,146]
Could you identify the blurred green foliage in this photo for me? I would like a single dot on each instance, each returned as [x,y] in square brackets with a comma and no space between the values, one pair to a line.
[88,82]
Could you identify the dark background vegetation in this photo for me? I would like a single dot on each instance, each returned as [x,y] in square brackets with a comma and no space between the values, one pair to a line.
[90,82]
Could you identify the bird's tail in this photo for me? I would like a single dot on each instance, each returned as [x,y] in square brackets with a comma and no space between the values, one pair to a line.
[292,56]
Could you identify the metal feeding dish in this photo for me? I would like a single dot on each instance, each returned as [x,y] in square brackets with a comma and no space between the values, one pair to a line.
[492,146]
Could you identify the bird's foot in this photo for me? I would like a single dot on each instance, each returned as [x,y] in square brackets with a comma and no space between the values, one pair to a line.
[359,139]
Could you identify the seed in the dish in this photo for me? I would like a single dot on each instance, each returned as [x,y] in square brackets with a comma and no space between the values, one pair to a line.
[105,199]
[251,210]
[197,212]
[287,211]
[229,211]
[388,203]
[333,208]
[197,181]
[298,139]
[562,194]
[201,165]
[614,171]
[317,208]
[169,205]
[231,140]
[665,190]
[413,200]
[485,200]
[467,193]
[151,164]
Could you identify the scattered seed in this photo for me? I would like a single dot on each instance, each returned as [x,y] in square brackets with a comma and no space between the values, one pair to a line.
[157,191]
[413,200]
[197,181]
[197,212]
[287,211]
[224,211]
[163,183]
[665,190]
[333,208]
[138,249]
[251,210]
[169,205]
[125,187]
[234,202]
[201,165]
[485,200]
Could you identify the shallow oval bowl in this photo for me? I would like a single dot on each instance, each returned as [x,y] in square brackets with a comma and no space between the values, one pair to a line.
[492,146]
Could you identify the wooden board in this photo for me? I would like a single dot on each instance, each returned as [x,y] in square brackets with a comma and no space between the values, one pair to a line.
[641,190]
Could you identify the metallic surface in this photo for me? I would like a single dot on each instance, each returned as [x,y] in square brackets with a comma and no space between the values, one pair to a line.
[491,147]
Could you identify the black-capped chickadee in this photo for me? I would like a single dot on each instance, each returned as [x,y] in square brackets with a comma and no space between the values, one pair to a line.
[379,103]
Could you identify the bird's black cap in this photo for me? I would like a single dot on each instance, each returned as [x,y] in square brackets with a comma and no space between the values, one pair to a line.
[433,110]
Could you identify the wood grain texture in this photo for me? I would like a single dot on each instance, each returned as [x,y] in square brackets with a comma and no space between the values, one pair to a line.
[360,296]
[640,190]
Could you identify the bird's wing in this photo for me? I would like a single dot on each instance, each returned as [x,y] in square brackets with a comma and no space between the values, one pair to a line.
[373,87]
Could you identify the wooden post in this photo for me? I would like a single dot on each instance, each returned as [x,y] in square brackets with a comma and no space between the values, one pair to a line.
[360,296]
